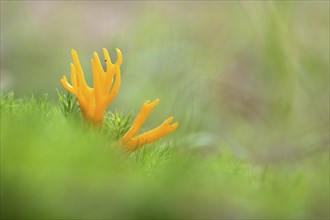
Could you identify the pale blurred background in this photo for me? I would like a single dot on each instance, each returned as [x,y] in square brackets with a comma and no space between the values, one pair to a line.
[253,76]
[248,81]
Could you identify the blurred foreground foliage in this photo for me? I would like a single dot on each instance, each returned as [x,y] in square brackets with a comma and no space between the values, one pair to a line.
[57,167]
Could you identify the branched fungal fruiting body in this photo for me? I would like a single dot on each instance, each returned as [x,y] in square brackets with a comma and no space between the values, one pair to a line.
[94,101]
[132,142]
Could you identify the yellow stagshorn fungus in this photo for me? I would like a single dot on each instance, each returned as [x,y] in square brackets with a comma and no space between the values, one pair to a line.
[132,142]
[94,101]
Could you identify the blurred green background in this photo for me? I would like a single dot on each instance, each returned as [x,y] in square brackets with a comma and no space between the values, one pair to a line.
[252,76]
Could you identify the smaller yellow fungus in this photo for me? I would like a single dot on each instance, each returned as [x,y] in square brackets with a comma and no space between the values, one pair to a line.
[165,128]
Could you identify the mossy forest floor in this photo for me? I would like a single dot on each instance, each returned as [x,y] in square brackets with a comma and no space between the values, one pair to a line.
[56,167]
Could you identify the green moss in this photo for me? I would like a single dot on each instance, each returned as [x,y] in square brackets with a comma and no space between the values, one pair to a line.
[54,167]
